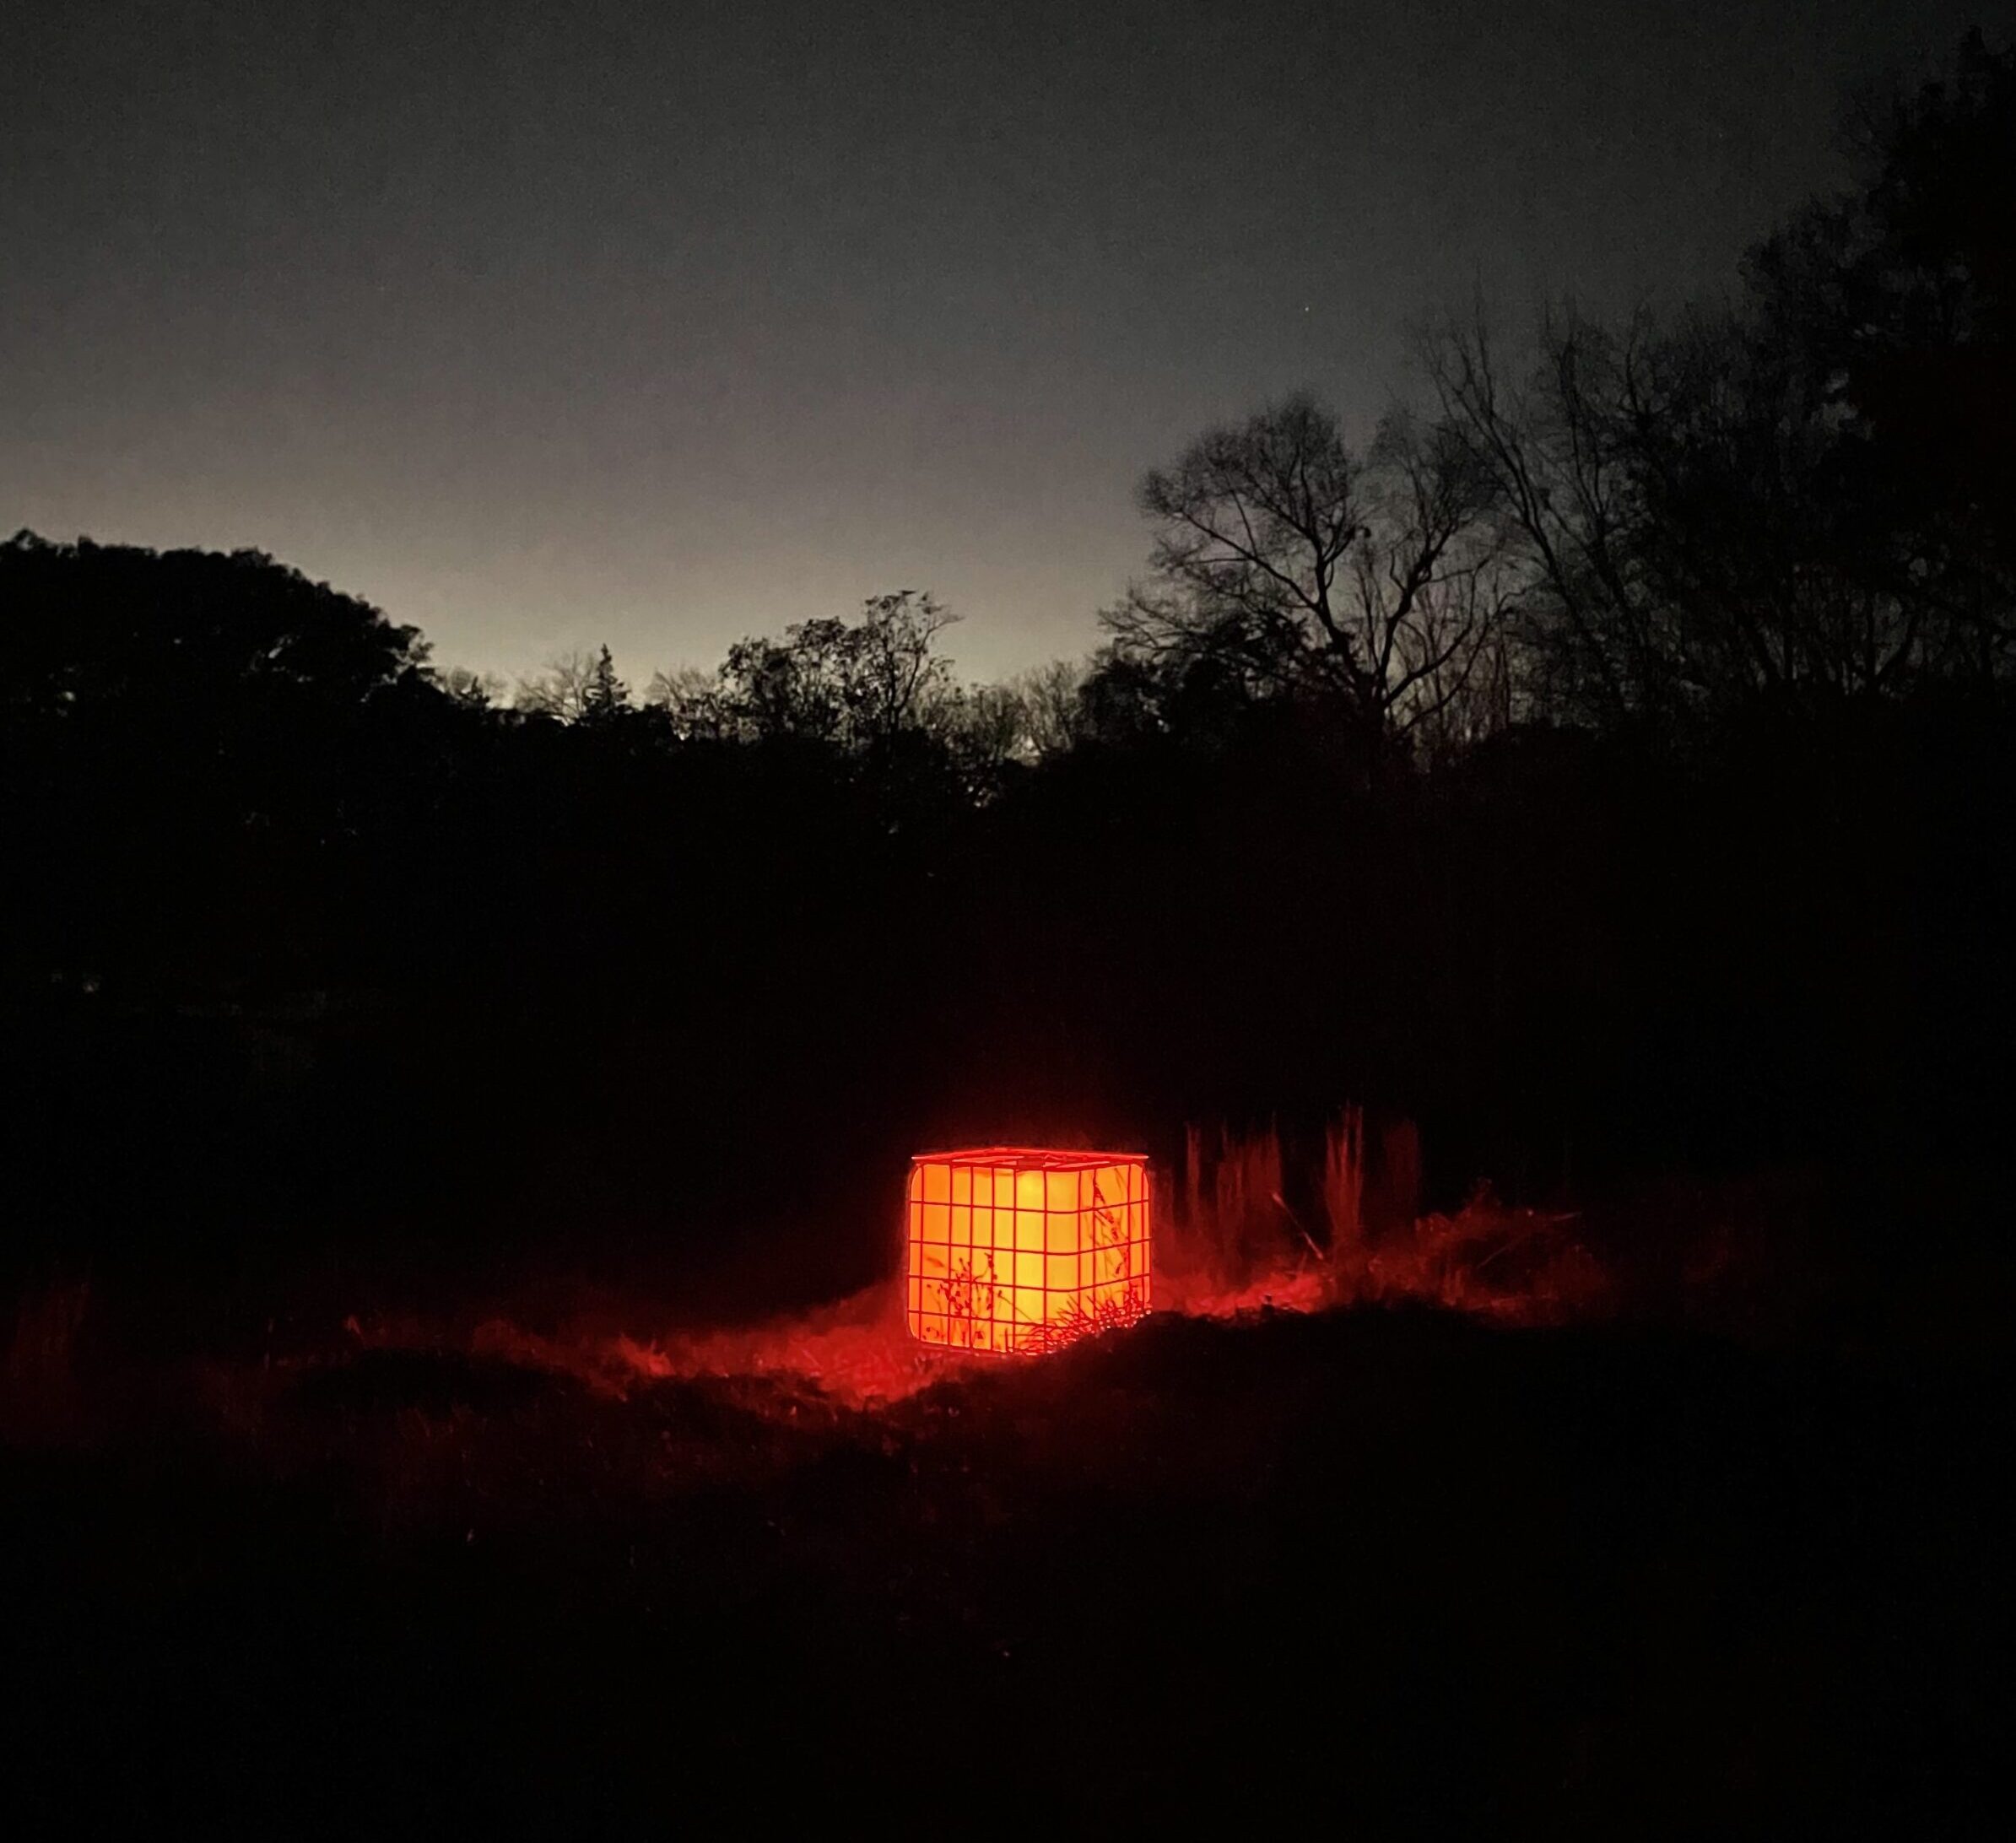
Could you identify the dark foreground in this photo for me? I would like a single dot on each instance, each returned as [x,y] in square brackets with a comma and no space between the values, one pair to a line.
[1379,1569]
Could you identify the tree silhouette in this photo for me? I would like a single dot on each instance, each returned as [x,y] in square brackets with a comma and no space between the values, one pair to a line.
[604,697]
[1802,500]
[577,687]
[859,685]
[1901,297]
[1283,563]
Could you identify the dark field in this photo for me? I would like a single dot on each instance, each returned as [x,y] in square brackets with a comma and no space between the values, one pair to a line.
[1373,1567]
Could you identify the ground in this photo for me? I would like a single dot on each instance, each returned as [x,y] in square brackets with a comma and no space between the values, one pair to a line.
[1389,1567]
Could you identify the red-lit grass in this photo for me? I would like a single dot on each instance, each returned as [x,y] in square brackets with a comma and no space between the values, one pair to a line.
[39,1395]
[1227,1244]
[1233,1243]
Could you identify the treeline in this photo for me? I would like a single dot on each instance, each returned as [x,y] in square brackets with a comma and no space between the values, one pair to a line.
[1802,497]
[1609,763]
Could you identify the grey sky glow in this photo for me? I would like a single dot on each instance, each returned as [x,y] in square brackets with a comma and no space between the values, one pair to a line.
[660,324]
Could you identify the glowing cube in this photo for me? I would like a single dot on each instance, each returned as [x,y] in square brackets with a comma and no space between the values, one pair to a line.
[1013,1249]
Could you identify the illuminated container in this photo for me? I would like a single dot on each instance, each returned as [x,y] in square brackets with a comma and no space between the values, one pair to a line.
[1013,1249]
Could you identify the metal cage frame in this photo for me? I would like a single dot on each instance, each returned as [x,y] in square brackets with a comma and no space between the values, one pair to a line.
[1023,1249]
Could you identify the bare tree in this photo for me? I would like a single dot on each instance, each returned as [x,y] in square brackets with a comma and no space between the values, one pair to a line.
[570,687]
[688,699]
[1551,450]
[1682,512]
[1281,558]
[1252,525]
[1053,707]
[986,728]
[892,674]
[1431,582]
[856,684]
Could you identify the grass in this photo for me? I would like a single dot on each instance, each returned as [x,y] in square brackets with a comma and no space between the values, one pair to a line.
[1374,1567]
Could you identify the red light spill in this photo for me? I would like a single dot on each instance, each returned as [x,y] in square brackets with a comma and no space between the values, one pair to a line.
[1227,1245]
[39,1396]
[1234,1244]
[857,1351]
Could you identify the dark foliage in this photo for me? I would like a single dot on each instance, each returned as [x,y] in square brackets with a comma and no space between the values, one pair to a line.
[287,958]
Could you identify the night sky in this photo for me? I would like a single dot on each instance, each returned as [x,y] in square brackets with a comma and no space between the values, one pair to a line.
[663,323]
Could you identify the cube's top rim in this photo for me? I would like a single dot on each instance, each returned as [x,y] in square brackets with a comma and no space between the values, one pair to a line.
[1028,1157]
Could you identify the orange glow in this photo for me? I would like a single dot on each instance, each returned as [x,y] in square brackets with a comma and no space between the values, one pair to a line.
[1010,1248]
